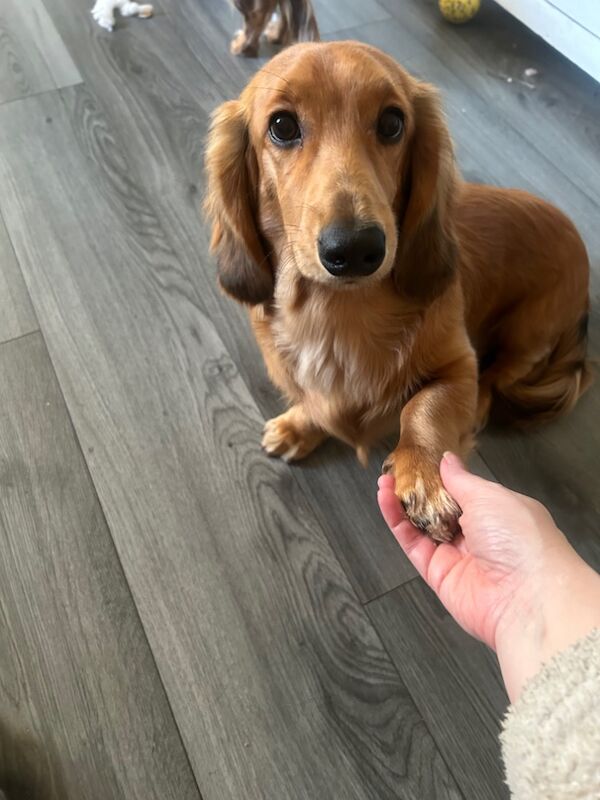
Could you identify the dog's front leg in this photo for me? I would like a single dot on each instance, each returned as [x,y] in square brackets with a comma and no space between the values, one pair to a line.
[439,417]
[256,14]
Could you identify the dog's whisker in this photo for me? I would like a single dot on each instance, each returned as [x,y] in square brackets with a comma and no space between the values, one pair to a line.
[280,77]
[273,89]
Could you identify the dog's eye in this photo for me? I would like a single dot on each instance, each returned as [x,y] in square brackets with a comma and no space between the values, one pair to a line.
[284,129]
[390,124]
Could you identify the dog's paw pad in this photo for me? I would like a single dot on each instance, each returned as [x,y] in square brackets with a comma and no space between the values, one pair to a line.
[436,515]
[419,488]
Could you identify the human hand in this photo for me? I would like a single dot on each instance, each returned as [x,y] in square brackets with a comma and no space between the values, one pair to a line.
[510,579]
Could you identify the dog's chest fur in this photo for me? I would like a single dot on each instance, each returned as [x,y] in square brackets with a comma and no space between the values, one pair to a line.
[352,350]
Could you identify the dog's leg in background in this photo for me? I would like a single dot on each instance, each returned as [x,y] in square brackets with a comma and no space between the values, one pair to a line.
[295,22]
[276,30]
[299,23]
[439,417]
[256,13]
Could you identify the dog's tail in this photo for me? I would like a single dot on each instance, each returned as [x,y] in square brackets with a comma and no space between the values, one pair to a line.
[553,387]
[300,20]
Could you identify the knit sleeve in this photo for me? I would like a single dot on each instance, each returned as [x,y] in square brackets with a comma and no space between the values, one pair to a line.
[551,735]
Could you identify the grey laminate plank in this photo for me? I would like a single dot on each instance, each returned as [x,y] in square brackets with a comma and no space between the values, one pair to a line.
[156,96]
[83,713]
[278,682]
[16,313]
[454,680]
[337,15]
[33,57]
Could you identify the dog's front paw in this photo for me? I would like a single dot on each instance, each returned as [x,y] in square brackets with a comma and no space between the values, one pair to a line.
[290,437]
[240,46]
[274,30]
[420,490]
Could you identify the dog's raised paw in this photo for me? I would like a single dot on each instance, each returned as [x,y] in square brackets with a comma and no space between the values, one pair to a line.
[436,516]
[420,490]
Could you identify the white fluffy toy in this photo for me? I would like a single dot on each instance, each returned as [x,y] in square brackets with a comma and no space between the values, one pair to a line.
[104,11]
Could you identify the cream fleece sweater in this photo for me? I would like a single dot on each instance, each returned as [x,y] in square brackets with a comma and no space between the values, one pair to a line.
[551,736]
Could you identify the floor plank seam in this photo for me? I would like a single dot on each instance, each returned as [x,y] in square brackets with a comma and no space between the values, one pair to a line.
[38,94]
[21,336]
[392,589]
[31,308]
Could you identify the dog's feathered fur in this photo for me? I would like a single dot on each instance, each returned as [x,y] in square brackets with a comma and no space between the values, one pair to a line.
[483,291]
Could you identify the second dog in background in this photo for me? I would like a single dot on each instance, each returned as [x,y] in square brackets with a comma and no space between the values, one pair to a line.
[282,21]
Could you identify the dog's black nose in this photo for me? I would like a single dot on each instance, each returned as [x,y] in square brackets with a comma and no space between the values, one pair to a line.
[347,251]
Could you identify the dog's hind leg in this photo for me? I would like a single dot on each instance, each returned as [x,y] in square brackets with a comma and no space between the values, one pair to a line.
[541,382]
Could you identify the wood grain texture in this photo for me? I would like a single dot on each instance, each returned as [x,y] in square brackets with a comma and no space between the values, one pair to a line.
[157,97]
[82,710]
[455,681]
[33,57]
[16,313]
[278,682]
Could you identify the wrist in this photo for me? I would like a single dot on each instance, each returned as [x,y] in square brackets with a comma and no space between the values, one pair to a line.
[559,605]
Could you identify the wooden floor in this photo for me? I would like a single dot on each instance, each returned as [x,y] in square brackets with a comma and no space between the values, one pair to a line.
[181,617]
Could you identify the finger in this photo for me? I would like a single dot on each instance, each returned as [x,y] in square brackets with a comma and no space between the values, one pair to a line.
[418,547]
[446,557]
[386,482]
[461,484]
[390,507]
[459,542]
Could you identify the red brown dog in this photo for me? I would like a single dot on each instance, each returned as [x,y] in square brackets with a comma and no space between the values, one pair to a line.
[378,279]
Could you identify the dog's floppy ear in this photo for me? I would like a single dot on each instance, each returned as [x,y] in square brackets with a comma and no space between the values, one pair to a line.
[231,206]
[427,245]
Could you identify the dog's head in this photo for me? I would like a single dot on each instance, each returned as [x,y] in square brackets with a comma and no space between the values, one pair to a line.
[336,163]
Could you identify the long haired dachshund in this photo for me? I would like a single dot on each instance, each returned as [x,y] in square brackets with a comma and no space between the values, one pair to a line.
[282,21]
[383,288]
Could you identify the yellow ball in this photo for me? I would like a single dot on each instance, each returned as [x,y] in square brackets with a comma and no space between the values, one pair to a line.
[458,11]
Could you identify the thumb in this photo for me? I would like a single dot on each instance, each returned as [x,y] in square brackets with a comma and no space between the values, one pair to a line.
[460,483]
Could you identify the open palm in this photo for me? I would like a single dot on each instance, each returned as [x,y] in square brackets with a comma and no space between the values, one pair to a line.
[490,569]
